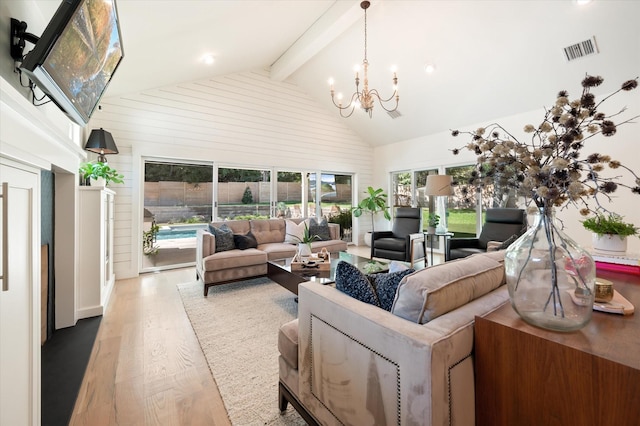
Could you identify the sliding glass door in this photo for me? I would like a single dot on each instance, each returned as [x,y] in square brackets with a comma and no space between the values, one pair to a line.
[177,202]
[243,194]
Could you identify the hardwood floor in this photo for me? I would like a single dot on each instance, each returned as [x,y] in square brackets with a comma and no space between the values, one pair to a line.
[146,367]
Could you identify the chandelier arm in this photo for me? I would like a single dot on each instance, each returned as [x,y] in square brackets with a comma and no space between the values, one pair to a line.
[377,95]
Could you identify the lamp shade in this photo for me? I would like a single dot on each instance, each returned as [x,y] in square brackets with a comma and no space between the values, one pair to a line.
[101,142]
[439,185]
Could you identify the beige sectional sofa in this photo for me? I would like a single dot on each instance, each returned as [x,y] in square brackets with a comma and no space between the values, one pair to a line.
[344,361]
[231,265]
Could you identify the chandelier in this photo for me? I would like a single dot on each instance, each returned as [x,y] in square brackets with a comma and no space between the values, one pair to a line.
[365,98]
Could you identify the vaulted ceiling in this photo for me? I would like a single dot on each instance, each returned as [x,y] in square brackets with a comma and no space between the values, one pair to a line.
[492,58]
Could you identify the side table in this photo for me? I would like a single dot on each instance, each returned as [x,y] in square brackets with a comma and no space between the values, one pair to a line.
[530,376]
[431,237]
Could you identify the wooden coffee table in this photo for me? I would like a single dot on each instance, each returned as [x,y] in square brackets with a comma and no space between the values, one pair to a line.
[280,271]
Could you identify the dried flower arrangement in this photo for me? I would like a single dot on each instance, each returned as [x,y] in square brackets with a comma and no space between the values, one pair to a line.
[549,169]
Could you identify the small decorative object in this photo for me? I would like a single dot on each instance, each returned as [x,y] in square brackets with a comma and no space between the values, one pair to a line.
[550,278]
[97,170]
[610,233]
[304,242]
[433,221]
[604,290]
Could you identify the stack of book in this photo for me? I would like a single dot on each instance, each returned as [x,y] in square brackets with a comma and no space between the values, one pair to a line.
[628,262]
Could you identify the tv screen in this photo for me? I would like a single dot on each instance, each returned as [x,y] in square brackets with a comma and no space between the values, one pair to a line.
[75,58]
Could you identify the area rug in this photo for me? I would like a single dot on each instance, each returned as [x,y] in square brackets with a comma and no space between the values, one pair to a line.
[237,327]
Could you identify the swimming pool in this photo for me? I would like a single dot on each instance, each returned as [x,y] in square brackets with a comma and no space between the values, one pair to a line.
[178,232]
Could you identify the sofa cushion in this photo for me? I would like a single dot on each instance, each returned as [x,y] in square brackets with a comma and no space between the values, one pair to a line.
[268,230]
[386,284]
[246,241]
[231,259]
[319,228]
[288,342]
[278,250]
[294,232]
[351,281]
[224,237]
[436,290]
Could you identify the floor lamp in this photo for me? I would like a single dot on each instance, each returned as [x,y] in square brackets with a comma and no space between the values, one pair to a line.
[439,186]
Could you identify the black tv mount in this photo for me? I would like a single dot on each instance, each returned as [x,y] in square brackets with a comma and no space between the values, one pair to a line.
[19,36]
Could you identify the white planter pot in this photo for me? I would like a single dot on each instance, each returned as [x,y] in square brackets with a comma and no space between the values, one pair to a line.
[304,250]
[609,244]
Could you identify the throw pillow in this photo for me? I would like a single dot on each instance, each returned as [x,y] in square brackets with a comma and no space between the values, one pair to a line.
[385,285]
[439,289]
[294,232]
[224,237]
[351,281]
[244,242]
[321,229]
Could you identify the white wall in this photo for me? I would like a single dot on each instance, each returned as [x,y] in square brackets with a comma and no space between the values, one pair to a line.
[435,150]
[243,119]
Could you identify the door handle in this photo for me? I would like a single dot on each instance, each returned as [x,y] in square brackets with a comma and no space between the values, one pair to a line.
[5,237]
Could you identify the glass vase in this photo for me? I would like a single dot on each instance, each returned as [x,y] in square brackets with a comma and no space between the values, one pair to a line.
[550,278]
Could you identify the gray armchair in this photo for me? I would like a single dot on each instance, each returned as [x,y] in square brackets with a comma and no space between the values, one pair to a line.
[405,241]
[500,225]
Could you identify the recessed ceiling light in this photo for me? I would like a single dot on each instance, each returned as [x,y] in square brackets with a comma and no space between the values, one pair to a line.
[581,2]
[429,68]
[207,59]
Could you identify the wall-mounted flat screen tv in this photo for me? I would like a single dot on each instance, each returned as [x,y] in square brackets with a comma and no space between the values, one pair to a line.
[75,58]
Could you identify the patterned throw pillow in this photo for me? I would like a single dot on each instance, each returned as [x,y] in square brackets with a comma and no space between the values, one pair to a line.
[321,229]
[351,281]
[244,242]
[224,237]
[385,285]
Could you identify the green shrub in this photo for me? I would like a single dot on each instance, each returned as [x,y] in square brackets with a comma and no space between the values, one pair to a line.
[611,224]
[247,197]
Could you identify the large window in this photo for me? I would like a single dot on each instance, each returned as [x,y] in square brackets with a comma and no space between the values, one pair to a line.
[401,189]
[182,197]
[243,194]
[289,195]
[462,218]
[426,203]
[177,202]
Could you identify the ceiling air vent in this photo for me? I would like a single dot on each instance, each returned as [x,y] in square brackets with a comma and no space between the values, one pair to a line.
[580,50]
[394,114]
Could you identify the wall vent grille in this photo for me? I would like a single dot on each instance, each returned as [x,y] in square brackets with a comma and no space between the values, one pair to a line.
[580,50]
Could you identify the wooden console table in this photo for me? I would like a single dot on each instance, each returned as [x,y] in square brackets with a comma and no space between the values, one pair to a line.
[530,376]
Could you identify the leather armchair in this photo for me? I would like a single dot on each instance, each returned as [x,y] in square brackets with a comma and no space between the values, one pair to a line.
[405,241]
[500,225]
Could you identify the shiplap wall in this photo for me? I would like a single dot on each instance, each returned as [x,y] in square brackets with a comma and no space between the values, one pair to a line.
[242,119]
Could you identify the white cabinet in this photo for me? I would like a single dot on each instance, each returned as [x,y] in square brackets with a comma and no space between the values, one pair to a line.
[19,295]
[95,257]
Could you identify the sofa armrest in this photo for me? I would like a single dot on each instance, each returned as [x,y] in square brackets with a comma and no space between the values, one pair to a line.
[205,246]
[357,361]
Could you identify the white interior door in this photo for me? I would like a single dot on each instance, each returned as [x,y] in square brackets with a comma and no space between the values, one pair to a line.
[19,299]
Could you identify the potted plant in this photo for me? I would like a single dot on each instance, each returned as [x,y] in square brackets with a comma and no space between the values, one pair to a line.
[97,170]
[433,221]
[375,202]
[610,232]
[304,242]
[344,218]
